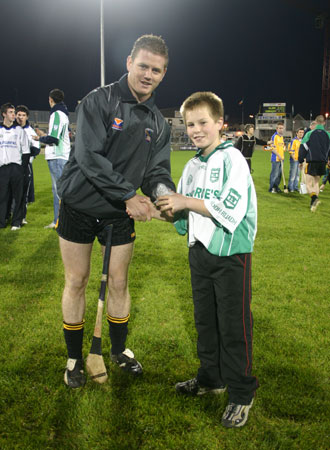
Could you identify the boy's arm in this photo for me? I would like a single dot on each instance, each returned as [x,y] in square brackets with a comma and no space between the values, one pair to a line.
[178,202]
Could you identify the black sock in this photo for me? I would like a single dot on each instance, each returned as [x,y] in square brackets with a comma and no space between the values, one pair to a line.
[118,333]
[313,198]
[73,335]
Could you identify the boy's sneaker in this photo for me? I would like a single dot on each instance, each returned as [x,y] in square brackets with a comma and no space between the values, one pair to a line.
[14,228]
[127,362]
[51,225]
[74,375]
[236,415]
[274,191]
[192,387]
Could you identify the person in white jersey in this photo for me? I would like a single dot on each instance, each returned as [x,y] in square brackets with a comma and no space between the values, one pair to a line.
[57,142]
[14,155]
[216,205]
[22,118]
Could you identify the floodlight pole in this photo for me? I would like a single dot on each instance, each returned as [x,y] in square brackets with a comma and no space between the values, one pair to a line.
[102,44]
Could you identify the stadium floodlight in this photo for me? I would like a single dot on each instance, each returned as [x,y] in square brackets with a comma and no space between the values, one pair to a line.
[102,43]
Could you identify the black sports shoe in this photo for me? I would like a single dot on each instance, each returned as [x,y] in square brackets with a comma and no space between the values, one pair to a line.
[192,387]
[127,362]
[236,415]
[74,375]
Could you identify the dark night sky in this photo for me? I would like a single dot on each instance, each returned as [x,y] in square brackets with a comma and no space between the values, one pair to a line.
[264,51]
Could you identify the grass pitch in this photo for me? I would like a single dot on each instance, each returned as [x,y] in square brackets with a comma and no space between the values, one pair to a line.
[291,337]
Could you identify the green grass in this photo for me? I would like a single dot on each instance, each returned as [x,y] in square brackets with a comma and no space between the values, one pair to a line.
[291,337]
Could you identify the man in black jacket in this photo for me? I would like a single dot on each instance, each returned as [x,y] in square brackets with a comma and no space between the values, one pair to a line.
[122,144]
[246,143]
[315,148]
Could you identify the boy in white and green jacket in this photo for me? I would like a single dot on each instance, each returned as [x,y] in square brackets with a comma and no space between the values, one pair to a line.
[216,205]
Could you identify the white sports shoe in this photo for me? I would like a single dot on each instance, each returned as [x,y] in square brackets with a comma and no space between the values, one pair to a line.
[51,225]
[15,228]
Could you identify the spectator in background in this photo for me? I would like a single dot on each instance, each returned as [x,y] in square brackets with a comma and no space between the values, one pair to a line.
[246,143]
[57,142]
[278,148]
[294,163]
[315,148]
[14,155]
[22,116]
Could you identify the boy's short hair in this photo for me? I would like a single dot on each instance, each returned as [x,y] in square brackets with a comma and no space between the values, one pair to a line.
[279,124]
[23,108]
[209,99]
[57,95]
[248,126]
[5,107]
[300,129]
[152,43]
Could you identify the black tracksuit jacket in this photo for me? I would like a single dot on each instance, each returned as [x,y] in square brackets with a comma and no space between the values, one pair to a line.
[121,145]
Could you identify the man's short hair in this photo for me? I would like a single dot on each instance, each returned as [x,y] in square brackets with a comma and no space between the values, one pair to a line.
[279,124]
[300,129]
[208,99]
[151,43]
[57,95]
[320,119]
[5,107]
[248,126]
[23,108]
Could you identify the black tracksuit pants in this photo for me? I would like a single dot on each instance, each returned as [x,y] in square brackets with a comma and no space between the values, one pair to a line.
[11,180]
[222,294]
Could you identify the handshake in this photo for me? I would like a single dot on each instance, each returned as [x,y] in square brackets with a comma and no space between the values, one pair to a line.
[142,209]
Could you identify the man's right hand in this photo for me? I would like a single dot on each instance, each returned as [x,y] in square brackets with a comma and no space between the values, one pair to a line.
[138,208]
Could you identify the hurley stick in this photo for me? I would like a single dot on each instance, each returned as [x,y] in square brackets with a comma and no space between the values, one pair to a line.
[94,363]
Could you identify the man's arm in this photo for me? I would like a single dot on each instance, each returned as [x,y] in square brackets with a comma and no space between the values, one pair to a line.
[158,170]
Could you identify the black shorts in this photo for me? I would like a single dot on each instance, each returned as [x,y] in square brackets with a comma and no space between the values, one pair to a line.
[316,168]
[76,226]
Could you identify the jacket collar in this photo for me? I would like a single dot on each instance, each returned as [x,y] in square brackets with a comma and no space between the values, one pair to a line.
[60,107]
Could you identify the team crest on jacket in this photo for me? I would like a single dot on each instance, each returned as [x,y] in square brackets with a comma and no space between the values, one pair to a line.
[147,134]
[215,172]
[232,199]
[117,124]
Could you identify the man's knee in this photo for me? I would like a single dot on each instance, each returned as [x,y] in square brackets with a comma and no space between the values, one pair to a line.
[76,282]
[118,285]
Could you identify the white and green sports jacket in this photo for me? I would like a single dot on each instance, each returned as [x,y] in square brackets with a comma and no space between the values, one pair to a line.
[223,181]
[59,129]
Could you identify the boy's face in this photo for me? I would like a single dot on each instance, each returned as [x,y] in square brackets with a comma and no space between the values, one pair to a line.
[9,115]
[300,134]
[202,129]
[280,130]
[145,72]
[21,118]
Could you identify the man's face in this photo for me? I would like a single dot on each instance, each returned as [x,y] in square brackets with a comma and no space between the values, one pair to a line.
[300,134]
[21,118]
[280,130]
[251,131]
[9,116]
[145,72]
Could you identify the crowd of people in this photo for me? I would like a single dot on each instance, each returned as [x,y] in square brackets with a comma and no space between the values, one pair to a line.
[19,145]
[309,159]
[123,144]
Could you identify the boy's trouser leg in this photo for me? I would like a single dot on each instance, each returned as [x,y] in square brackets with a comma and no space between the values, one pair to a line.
[4,188]
[208,345]
[273,181]
[228,324]
[233,293]
[16,181]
